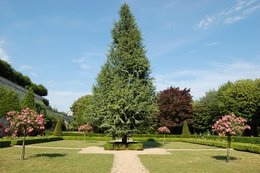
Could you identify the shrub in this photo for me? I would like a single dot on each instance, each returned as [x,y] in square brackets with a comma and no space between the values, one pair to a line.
[121,146]
[58,130]
[135,146]
[5,143]
[35,140]
[185,131]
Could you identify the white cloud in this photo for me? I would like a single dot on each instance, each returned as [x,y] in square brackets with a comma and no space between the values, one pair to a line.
[204,23]
[3,55]
[201,81]
[90,60]
[239,11]
[62,100]
[212,44]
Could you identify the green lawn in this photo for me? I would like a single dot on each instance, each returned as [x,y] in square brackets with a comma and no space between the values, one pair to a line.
[47,160]
[200,161]
[54,161]
[71,143]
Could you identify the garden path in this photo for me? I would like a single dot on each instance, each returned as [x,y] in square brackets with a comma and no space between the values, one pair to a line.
[126,161]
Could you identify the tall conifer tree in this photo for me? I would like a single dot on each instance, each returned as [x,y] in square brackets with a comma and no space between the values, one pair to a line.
[28,100]
[124,95]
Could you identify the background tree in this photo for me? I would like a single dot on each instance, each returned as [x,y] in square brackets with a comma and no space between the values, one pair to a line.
[28,100]
[124,102]
[175,107]
[9,101]
[206,112]
[6,71]
[82,109]
[242,97]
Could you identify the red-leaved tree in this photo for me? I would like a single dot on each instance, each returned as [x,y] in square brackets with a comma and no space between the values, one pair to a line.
[25,122]
[230,125]
[175,107]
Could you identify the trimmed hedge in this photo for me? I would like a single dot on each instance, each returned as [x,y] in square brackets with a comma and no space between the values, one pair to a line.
[254,148]
[240,139]
[5,143]
[87,138]
[121,146]
[35,140]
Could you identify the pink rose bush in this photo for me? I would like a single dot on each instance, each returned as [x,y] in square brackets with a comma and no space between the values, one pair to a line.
[25,122]
[85,128]
[163,129]
[230,125]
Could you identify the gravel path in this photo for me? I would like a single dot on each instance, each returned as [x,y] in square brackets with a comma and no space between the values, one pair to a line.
[126,161]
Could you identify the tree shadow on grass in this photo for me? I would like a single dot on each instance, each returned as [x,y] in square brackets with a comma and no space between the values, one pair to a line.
[225,158]
[151,144]
[49,155]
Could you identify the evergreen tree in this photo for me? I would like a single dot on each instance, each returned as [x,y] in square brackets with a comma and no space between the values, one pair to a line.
[9,101]
[28,100]
[58,129]
[124,95]
[185,130]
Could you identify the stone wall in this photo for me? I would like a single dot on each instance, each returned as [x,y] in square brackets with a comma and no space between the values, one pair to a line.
[20,90]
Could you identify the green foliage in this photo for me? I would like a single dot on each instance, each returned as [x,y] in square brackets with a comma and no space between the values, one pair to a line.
[9,101]
[124,95]
[185,131]
[82,109]
[135,146]
[11,74]
[223,144]
[241,97]
[5,143]
[36,140]
[58,130]
[206,112]
[28,100]
[122,146]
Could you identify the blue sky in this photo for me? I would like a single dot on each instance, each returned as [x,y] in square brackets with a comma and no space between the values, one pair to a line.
[195,44]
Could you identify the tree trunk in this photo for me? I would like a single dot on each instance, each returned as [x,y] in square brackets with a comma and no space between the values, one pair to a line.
[124,139]
[228,147]
[23,149]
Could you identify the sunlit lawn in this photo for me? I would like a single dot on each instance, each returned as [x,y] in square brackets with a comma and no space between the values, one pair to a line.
[54,160]
[49,160]
[198,161]
[71,143]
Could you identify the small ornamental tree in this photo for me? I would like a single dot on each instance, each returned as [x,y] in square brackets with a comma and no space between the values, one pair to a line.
[163,130]
[25,122]
[230,125]
[58,129]
[86,129]
[185,130]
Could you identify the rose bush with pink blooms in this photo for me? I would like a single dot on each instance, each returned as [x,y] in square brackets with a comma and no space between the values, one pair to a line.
[25,122]
[86,128]
[164,130]
[230,125]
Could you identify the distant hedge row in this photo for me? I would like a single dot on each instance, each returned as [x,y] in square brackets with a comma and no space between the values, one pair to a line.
[254,148]
[6,71]
[29,140]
